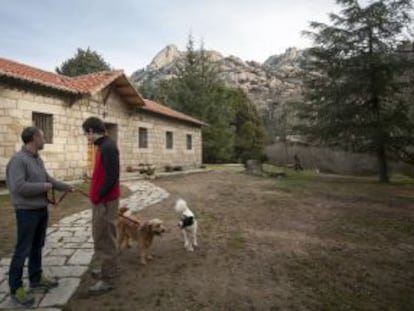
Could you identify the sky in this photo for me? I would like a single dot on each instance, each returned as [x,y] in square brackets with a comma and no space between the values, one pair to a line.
[129,33]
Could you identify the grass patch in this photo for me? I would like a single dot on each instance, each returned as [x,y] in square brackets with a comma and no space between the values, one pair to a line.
[234,167]
[391,229]
[366,262]
[208,219]
[370,228]
[308,182]
[236,240]
[352,279]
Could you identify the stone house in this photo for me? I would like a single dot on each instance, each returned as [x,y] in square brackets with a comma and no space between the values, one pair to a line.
[146,132]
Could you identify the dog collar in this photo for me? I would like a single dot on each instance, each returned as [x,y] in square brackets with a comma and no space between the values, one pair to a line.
[187,221]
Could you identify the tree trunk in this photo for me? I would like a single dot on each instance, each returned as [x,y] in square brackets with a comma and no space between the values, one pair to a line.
[381,154]
[382,164]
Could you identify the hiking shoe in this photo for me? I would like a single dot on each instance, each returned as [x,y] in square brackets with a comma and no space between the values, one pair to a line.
[22,297]
[100,287]
[44,283]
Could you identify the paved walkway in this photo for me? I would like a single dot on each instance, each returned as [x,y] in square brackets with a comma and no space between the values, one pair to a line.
[69,250]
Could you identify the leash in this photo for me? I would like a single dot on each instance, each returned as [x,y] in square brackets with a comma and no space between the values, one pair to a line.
[121,215]
[55,202]
[130,219]
[82,192]
[52,197]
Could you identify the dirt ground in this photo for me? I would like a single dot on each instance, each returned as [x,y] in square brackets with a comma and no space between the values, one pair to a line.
[300,244]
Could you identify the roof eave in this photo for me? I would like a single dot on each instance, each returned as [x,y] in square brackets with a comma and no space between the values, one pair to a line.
[194,122]
[133,97]
[39,83]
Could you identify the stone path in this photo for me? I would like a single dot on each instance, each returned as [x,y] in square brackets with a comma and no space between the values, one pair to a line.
[144,194]
[69,250]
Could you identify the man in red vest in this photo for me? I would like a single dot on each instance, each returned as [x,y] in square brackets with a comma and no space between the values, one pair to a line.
[104,194]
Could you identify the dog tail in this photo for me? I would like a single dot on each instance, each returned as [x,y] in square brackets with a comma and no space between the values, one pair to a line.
[122,210]
[180,205]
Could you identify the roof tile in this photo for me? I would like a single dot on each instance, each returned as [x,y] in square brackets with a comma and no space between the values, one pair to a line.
[161,109]
[85,84]
[81,84]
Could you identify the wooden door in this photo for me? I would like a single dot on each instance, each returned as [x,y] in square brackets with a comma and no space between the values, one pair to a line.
[91,156]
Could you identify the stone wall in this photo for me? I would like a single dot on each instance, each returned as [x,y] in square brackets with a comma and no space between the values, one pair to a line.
[66,157]
[128,123]
[331,161]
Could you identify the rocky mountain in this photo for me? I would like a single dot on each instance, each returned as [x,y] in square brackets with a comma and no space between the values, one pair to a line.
[271,85]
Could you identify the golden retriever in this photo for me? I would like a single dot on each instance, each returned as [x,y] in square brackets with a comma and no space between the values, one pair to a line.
[142,232]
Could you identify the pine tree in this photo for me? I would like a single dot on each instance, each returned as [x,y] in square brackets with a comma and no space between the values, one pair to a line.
[196,92]
[234,130]
[250,136]
[83,62]
[359,83]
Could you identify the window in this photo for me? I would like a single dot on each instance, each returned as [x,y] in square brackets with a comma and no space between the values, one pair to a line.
[45,123]
[143,137]
[169,140]
[189,142]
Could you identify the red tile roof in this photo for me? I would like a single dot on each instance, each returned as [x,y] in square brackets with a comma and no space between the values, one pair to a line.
[19,71]
[82,85]
[164,110]
[94,82]
[78,85]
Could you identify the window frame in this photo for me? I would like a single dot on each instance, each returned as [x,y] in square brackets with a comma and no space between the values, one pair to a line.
[143,144]
[44,121]
[189,141]
[169,140]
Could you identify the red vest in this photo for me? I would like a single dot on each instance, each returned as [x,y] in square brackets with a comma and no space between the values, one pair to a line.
[98,177]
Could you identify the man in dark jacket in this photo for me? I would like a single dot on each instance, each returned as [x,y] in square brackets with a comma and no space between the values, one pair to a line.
[104,194]
[28,183]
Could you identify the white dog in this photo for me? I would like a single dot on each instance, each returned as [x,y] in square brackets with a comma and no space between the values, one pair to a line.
[188,224]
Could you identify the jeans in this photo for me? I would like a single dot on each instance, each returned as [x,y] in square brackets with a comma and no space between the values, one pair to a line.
[31,235]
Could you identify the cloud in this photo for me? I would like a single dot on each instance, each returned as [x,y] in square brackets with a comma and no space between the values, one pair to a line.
[129,33]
